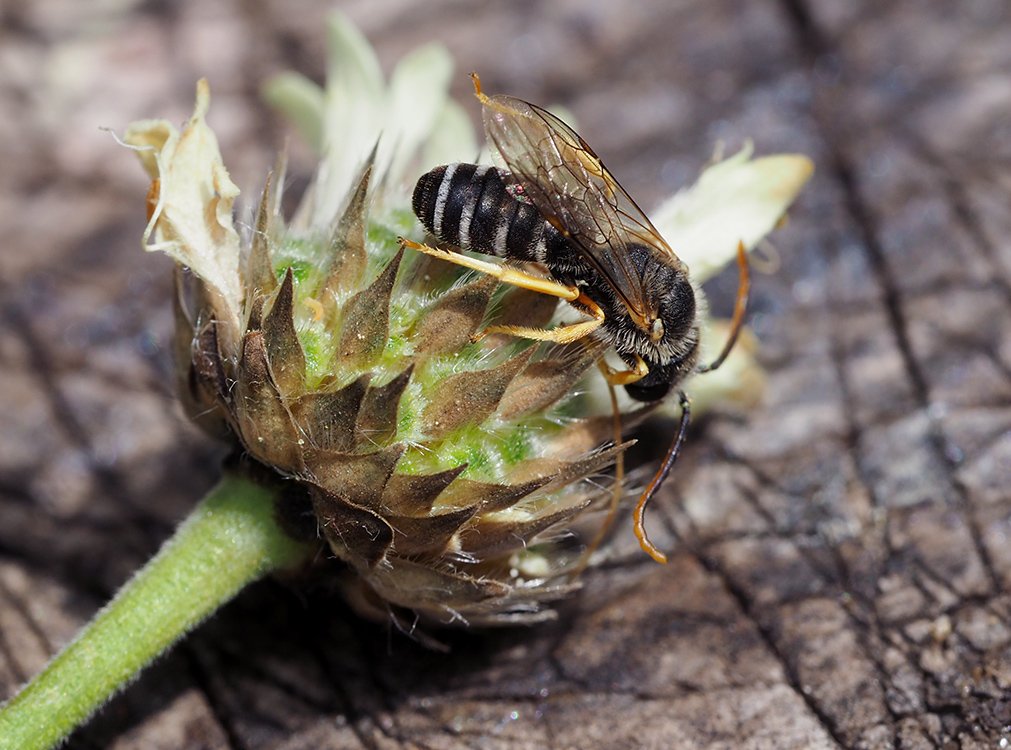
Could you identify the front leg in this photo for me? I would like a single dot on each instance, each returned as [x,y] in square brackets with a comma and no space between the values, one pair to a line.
[624,377]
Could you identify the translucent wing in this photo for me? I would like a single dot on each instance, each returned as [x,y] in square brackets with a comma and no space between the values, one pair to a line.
[572,189]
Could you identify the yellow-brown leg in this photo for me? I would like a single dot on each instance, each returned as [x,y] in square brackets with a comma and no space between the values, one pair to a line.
[515,277]
[624,377]
[481,96]
[505,274]
[497,103]
[616,491]
[562,334]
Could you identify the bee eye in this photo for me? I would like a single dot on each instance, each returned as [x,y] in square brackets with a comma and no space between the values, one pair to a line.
[656,330]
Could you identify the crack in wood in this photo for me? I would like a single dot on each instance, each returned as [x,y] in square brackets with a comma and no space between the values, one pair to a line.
[203,682]
[768,637]
[961,204]
[815,44]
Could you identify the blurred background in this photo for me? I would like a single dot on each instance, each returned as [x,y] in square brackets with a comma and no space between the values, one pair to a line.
[841,553]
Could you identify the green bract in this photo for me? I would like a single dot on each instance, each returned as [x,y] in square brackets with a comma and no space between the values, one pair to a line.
[438,469]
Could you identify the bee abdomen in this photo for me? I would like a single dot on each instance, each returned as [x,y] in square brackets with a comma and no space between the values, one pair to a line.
[471,207]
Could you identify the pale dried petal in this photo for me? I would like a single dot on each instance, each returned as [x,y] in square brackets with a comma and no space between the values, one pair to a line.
[353,116]
[418,92]
[192,219]
[452,139]
[739,382]
[739,199]
[301,101]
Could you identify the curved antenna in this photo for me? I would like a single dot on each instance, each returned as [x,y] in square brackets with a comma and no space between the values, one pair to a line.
[672,454]
[740,309]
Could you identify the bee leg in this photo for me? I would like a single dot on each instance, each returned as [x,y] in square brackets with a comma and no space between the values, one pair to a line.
[487,101]
[617,490]
[505,274]
[740,308]
[624,377]
[562,334]
[515,277]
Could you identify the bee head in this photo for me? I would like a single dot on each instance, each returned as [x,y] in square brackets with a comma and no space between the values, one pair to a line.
[666,334]
[662,377]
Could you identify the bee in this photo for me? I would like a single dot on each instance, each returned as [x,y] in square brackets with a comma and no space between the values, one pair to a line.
[556,205]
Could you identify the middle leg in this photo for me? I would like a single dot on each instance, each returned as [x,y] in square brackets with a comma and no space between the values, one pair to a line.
[518,278]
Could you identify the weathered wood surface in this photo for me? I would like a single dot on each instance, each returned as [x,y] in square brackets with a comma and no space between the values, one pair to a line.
[842,554]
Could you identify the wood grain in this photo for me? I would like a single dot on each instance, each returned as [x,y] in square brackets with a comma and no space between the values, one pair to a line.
[841,554]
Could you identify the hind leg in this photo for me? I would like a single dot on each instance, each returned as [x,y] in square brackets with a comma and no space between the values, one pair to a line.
[518,278]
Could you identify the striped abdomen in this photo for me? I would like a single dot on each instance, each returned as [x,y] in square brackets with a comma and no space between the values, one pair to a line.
[471,207]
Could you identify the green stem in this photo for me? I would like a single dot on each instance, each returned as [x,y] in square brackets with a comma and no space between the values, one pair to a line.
[230,540]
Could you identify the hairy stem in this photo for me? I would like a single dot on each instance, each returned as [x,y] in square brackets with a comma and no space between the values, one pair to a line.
[230,540]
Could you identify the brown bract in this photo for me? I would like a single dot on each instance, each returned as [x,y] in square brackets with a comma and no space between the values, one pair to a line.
[382,443]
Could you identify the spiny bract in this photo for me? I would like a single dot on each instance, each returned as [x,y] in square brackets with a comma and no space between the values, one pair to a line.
[442,471]
[439,469]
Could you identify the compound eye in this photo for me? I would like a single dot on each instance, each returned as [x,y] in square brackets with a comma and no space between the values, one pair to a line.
[656,330]
[678,310]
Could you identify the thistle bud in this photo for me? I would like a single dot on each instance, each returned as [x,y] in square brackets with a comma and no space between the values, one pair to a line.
[441,471]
